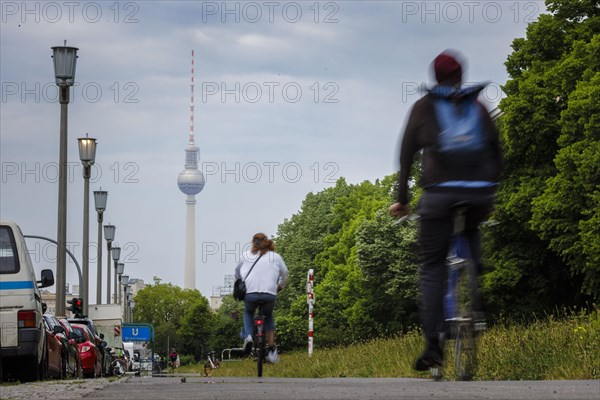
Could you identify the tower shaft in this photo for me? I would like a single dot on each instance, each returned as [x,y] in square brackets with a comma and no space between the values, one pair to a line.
[189,279]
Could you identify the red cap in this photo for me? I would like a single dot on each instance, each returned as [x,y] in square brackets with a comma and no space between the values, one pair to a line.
[447,69]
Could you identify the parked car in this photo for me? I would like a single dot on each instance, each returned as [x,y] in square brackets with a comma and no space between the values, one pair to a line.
[70,355]
[23,335]
[91,357]
[73,336]
[100,343]
[54,351]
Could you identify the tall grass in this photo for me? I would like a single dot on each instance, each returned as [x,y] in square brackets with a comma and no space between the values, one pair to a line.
[549,348]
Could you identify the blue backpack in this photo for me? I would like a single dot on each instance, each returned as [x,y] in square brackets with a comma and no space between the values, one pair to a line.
[462,138]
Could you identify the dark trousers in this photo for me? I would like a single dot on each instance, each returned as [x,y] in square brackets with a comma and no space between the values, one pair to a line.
[436,227]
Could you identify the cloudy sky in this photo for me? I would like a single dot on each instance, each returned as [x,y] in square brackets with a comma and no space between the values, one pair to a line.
[290,96]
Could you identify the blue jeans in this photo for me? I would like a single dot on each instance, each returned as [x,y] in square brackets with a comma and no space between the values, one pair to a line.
[251,302]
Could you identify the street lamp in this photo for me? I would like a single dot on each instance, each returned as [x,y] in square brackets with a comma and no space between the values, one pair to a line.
[120,270]
[65,59]
[131,307]
[87,155]
[116,254]
[125,281]
[128,299]
[100,197]
[109,235]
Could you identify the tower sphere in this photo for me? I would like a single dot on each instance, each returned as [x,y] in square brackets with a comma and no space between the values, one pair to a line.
[191,181]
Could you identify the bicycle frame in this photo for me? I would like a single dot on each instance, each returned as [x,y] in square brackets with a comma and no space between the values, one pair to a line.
[259,340]
[460,299]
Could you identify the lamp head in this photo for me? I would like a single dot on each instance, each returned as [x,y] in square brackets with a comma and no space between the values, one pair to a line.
[87,150]
[100,197]
[65,61]
[116,253]
[109,232]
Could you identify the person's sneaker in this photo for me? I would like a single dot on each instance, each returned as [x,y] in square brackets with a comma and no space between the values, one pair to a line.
[429,359]
[247,344]
[272,356]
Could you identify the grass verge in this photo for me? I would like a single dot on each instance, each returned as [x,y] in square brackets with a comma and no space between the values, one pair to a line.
[549,348]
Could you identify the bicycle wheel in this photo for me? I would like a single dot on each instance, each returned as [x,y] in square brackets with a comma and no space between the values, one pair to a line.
[465,351]
[260,355]
[118,367]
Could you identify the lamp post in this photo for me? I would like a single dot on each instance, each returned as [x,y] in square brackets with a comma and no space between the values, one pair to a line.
[120,270]
[116,254]
[131,307]
[109,235]
[100,197]
[65,60]
[124,282]
[87,155]
[128,299]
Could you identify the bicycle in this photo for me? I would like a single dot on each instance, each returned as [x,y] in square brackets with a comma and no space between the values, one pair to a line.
[118,367]
[463,318]
[212,363]
[259,347]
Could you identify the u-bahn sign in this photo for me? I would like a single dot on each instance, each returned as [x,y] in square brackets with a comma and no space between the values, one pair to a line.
[137,333]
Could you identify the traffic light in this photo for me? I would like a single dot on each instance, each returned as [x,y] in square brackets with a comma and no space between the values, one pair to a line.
[76,306]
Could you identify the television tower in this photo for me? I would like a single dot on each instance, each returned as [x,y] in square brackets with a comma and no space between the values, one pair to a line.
[191,182]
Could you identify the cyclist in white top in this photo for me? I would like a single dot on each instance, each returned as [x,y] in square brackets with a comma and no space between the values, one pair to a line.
[268,276]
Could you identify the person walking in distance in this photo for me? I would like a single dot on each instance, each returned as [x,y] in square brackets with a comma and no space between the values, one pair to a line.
[460,164]
[268,275]
[173,359]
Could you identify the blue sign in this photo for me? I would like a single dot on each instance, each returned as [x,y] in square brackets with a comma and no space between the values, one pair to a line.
[136,333]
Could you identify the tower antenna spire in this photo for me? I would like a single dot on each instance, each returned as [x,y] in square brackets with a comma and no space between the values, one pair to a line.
[192,103]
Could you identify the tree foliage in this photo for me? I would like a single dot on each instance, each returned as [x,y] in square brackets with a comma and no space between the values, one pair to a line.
[181,317]
[364,265]
[544,252]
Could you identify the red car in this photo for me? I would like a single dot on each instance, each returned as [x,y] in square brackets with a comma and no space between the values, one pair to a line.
[91,357]
[54,349]
[73,367]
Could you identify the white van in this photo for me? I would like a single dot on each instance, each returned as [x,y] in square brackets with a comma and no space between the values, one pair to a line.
[22,333]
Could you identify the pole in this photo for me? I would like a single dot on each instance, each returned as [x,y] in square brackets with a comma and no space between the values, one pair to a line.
[68,252]
[115,283]
[84,291]
[108,293]
[99,275]
[310,299]
[61,259]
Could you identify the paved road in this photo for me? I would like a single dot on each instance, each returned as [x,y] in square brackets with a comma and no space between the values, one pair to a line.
[342,389]
[297,389]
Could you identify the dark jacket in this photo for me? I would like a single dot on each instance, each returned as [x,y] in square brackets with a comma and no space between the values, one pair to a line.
[421,132]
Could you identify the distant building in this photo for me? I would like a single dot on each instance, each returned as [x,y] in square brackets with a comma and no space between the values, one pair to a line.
[219,292]
[49,299]
[136,285]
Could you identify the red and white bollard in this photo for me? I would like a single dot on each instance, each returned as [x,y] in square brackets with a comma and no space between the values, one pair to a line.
[310,299]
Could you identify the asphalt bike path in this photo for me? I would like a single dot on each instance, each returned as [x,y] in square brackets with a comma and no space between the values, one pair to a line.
[194,387]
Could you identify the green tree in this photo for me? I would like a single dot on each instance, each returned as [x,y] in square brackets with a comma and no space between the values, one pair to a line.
[529,250]
[387,255]
[227,324]
[181,317]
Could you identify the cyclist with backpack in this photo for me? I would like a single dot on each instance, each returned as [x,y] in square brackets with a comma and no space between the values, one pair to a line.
[460,163]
